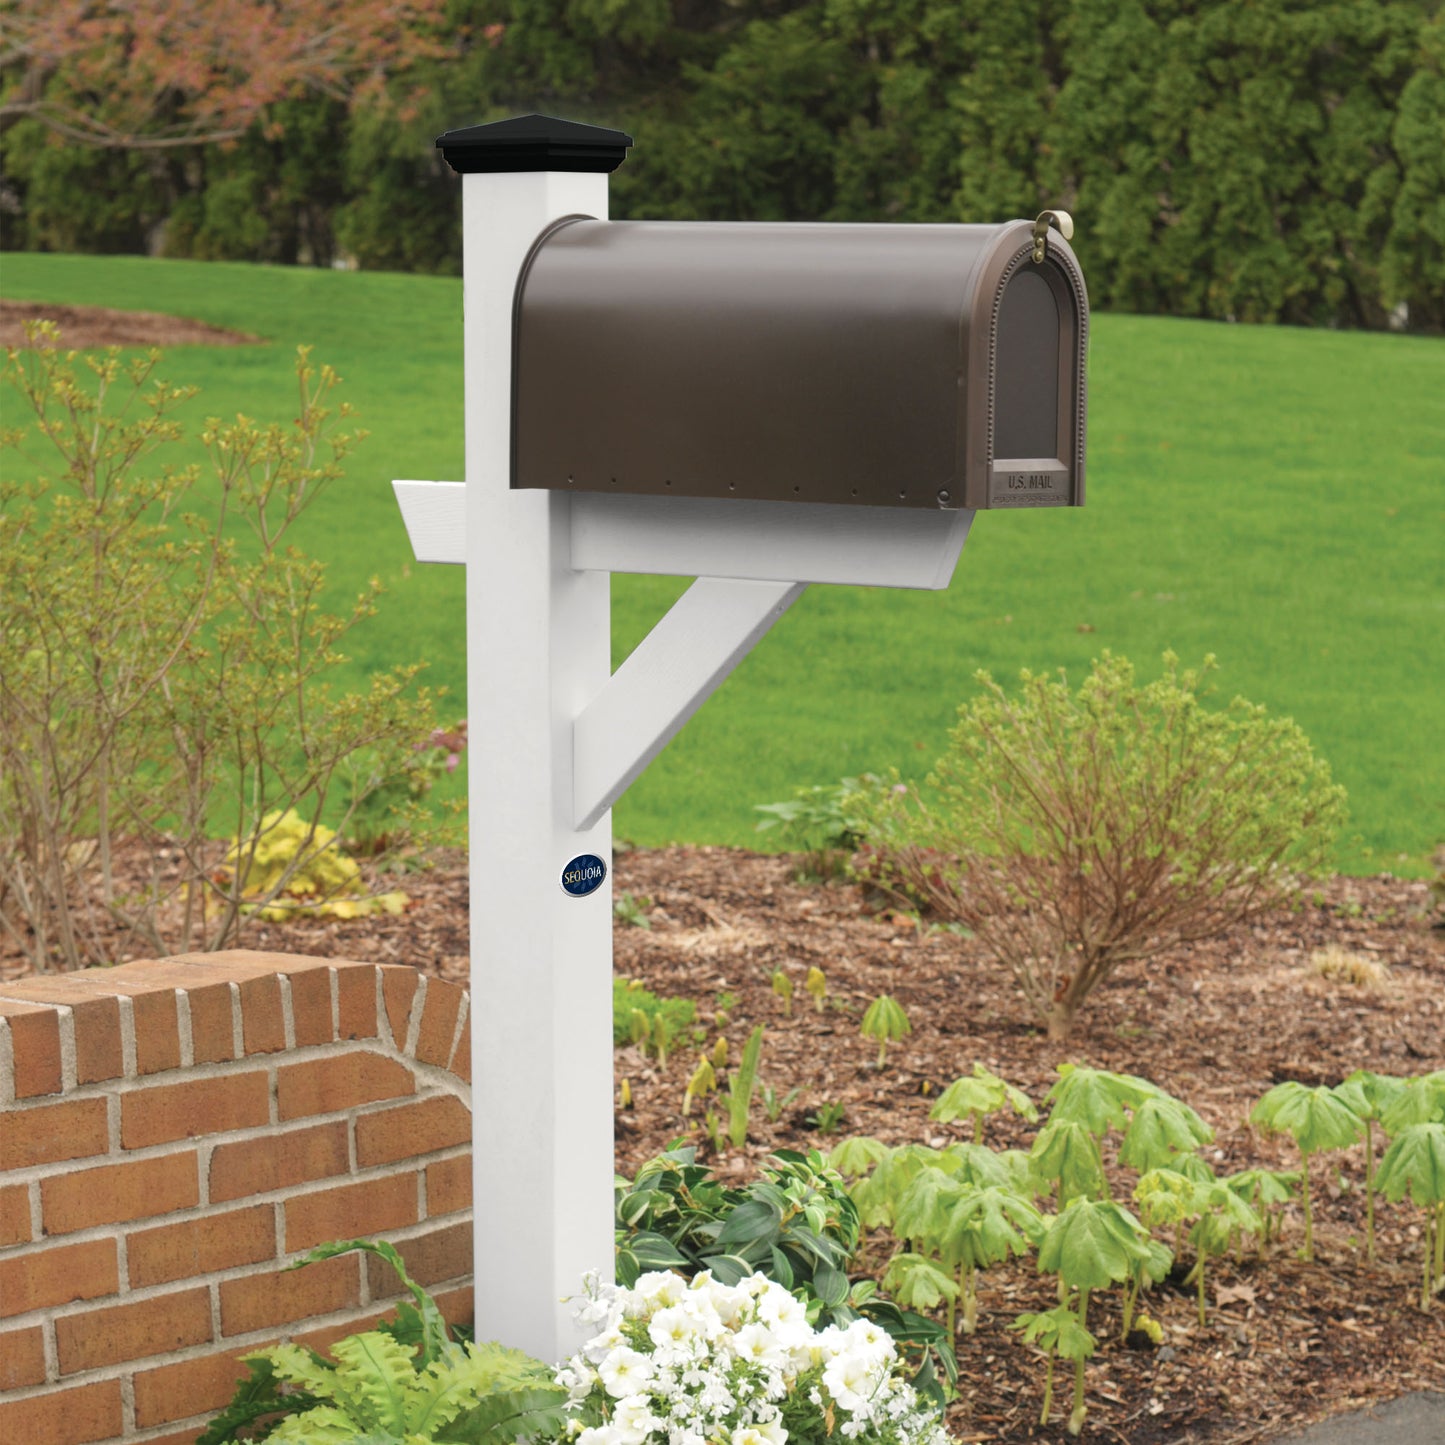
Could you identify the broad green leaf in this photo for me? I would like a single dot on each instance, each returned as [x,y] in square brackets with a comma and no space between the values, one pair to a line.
[981,1093]
[1058,1331]
[1264,1188]
[885,1019]
[373,1379]
[988,1225]
[1414,1164]
[1065,1151]
[918,1283]
[1224,1215]
[1161,1129]
[757,1219]
[1165,1196]
[830,1285]
[1314,1118]
[1421,1101]
[1092,1244]
[1096,1098]
[1368,1095]
[977,1164]
[923,1210]
[322,1425]
[857,1157]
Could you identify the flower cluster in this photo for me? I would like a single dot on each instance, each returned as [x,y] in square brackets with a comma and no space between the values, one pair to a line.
[698,1362]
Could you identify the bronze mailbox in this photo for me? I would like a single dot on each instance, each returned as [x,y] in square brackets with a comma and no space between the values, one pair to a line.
[886,365]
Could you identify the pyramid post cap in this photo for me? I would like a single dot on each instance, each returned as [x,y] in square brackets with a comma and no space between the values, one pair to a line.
[533,143]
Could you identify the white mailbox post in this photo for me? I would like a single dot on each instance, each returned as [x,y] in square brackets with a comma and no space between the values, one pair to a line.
[556,736]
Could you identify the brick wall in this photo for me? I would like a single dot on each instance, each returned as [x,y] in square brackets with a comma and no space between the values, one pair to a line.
[173,1133]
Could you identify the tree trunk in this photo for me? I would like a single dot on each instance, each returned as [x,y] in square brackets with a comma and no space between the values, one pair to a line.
[1060,1020]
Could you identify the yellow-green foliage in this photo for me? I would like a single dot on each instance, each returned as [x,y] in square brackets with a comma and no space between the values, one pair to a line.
[293,866]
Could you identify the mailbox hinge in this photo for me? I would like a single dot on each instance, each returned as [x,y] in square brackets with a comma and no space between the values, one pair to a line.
[1062,219]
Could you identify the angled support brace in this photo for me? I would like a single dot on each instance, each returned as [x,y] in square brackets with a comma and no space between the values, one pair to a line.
[709,630]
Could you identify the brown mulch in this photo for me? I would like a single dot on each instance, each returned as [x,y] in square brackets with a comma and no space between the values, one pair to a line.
[87,327]
[1217,1024]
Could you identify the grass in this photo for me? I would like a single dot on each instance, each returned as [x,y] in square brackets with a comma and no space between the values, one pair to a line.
[1270,495]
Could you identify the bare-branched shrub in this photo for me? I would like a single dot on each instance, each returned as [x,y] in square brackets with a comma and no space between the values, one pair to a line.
[164,671]
[1074,831]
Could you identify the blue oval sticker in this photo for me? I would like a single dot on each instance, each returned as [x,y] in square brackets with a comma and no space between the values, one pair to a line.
[583,875]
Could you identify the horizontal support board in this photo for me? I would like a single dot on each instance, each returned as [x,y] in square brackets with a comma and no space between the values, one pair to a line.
[706,537]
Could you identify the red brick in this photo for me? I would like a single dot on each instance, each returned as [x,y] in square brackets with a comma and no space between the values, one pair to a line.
[174,1392]
[458,1306]
[56,1275]
[351,1211]
[278,1160]
[195,1247]
[97,1021]
[279,1298]
[356,1001]
[263,1025]
[22,1358]
[14,1214]
[438,1022]
[213,1022]
[340,1081]
[311,1007]
[64,1417]
[398,988]
[322,1340]
[160,1113]
[115,1193]
[442,1254]
[107,1336]
[35,1041]
[407,1130]
[49,1133]
[461,1060]
[449,1186]
[153,1003]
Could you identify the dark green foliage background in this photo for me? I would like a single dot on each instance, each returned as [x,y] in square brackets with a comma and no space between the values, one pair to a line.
[1262,160]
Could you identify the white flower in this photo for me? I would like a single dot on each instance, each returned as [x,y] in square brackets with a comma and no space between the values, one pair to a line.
[851,1378]
[634,1420]
[624,1372]
[661,1288]
[676,1332]
[757,1344]
[600,1435]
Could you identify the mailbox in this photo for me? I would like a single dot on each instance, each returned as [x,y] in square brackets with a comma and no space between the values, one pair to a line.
[883,365]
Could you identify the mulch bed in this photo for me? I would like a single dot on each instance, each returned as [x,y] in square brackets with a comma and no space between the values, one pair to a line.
[1216,1023]
[90,327]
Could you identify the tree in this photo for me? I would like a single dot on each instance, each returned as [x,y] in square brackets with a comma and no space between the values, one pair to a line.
[168,73]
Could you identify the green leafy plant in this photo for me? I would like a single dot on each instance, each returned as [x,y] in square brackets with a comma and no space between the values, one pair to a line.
[1414,1164]
[783,988]
[632,910]
[701,1082]
[817,985]
[662,1019]
[387,810]
[1075,831]
[1090,1244]
[1267,1191]
[979,1095]
[829,1115]
[405,1383]
[1060,1335]
[1367,1096]
[774,1103]
[885,1021]
[821,822]
[1317,1121]
[741,1084]
[796,1224]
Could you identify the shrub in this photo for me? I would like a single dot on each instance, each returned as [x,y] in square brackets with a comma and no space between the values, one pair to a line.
[164,677]
[824,823]
[1074,831]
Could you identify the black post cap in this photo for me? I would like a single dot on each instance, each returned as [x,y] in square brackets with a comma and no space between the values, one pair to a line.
[533,143]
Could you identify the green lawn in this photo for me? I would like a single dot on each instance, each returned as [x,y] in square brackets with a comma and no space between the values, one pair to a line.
[1273,496]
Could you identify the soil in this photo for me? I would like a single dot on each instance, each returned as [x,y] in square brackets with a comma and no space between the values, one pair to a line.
[88,327]
[1216,1023]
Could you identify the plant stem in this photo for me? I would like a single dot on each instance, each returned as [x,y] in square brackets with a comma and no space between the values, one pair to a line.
[1199,1270]
[1048,1390]
[1309,1253]
[1076,1415]
[1369,1193]
[882,1050]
